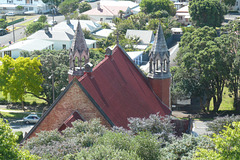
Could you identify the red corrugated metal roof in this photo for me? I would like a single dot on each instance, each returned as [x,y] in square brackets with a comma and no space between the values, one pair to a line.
[121,90]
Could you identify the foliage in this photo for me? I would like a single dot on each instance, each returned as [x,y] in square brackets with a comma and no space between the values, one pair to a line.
[33,27]
[19,135]
[204,66]
[207,12]
[155,124]
[20,76]
[20,8]
[229,2]
[68,6]
[9,149]
[87,34]
[3,23]
[56,62]
[151,6]
[219,123]
[105,25]
[226,145]
[96,55]
[54,2]
[83,17]
[42,19]
[84,6]
[188,29]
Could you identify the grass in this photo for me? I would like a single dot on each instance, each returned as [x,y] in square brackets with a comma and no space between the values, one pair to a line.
[26,23]
[14,115]
[227,102]
[9,18]
[28,98]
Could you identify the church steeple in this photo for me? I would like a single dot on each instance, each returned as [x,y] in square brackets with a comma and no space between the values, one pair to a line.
[78,54]
[159,57]
[159,75]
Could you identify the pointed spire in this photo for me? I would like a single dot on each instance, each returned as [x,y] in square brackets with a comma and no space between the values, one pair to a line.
[78,52]
[159,45]
[159,57]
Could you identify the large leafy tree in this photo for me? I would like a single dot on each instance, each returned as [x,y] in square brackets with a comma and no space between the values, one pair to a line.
[230,36]
[56,63]
[152,6]
[204,66]
[68,6]
[19,77]
[207,12]
[229,2]
[84,6]
[53,2]
[34,27]
[9,148]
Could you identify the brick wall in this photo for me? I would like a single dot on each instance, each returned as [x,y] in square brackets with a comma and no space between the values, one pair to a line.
[73,99]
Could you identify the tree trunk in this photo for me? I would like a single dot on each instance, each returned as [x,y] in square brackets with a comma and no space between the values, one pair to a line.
[208,100]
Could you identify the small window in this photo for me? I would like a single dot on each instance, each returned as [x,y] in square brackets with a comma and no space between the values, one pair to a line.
[9,53]
[64,46]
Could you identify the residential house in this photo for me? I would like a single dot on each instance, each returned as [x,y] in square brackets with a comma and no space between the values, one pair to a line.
[183,15]
[136,56]
[103,33]
[34,6]
[146,37]
[106,11]
[15,49]
[112,91]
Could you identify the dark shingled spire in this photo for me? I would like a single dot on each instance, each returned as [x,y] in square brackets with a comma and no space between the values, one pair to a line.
[159,57]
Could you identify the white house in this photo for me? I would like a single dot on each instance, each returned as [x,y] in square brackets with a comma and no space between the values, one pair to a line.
[146,37]
[136,56]
[27,45]
[183,15]
[106,11]
[34,6]
[103,33]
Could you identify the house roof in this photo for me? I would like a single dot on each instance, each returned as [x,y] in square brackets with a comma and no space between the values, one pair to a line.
[183,10]
[121,90]
[103,32]
[106,11]
[29,45]
[129,4]
[52,35]
[72,26]
[145,36]
[134,54]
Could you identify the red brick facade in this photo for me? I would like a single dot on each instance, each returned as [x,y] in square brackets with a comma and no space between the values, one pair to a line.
[73,99]
[162,88]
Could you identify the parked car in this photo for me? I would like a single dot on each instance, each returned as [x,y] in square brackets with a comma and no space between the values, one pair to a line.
[10,14]
[32,118]
[3,31]
[52,23]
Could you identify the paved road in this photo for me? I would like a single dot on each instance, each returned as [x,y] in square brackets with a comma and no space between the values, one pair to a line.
[20,33]
[200,127]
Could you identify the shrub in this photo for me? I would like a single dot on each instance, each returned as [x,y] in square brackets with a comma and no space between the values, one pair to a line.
[42,19]
[20,136]
[219,123]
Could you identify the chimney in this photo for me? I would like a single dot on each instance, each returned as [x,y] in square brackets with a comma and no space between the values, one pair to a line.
[88,67]
[46,29]
[98,6]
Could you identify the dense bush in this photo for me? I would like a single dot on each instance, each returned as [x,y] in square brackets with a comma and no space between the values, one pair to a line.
[20,136]
[219,123]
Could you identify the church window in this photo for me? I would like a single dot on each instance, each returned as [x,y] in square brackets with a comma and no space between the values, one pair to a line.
[165,65]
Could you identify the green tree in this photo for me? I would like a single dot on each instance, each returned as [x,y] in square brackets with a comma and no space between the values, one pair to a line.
[204,66]
[230,36]
[207,12]
[151,6]
[68,6]
[20,8]
[229,2]
[3,23]
[9,148]
[42,19]
[19,77]
[84,6]
[33,27]
[53,2]
[56,61]
[226,145]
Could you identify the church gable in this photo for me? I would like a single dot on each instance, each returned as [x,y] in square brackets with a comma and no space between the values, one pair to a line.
[74,99]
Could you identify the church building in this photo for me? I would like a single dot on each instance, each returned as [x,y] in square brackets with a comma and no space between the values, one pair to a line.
[113,91]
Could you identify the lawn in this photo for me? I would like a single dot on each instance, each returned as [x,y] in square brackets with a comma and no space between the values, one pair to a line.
[28,98]
[14,115]
[9,18]
[227,102]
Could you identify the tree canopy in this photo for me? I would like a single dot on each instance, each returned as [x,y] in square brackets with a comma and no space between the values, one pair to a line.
[53,2]
[229,2]
[68,6]
[9,149]
[33,27]
[203,65]
[152,6]
[20,76]
[207,12]
[84,6]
